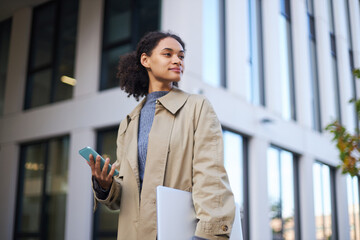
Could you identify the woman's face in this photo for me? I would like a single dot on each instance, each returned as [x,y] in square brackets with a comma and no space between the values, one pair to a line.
[166,63]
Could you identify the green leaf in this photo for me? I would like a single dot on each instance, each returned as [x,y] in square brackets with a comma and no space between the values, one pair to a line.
[356,72]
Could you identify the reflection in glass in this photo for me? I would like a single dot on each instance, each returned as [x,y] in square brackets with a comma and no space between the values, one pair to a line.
[315,96]
[314,79]
[235,168]
[255,33]
[334,67]
[281,193]
[32,192]
[110,62]
[56,186]
[322,201]
[310,7]
[149,16]
[118,20]
[42,36]
[125,22]
[348,25]
[331,16]
[43,189]
[65,52]
[105,220]
[234,163]
[5,29]
[41,87]
[336,87]
[353,206]
[52,53]
[211,42]
[286,69]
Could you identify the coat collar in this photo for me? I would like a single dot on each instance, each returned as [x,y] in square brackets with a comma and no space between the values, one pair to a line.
[172,101]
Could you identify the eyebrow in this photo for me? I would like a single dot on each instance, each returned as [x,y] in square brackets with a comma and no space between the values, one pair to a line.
[170,49]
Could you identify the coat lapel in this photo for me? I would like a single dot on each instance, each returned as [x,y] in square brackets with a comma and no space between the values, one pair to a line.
[156,159]
[159,140]
[132,133]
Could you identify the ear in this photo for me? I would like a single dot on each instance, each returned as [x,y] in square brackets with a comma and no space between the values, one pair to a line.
[144,59]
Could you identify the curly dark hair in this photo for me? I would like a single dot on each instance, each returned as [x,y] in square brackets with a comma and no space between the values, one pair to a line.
[132,75]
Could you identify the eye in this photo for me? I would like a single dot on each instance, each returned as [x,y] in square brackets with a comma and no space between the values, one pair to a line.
[182,57]
[167,54]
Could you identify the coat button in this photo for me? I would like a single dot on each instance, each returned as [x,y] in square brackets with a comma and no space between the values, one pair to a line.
[224,228]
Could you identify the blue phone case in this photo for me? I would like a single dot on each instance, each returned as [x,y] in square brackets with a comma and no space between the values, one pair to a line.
[85,152]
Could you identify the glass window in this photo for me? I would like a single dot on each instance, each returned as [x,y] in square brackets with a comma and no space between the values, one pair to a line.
[336,83]
[286,63]
[315,93]
[42,190]
[235,147]
[283,194]
[334,60]
[52,53]
[256,84]
[324,201]
[125,22]
[106,221]
[348,24]
[5,30]
[310,7]
[351,57]
[214,42]
[353,205]
[331,16]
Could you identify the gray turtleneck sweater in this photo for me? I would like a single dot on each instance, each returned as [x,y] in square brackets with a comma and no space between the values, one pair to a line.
[145,122]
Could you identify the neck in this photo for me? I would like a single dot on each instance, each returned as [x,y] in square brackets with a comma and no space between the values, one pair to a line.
[159,86]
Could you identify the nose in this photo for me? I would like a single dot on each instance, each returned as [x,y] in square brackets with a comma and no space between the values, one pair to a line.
[177,60]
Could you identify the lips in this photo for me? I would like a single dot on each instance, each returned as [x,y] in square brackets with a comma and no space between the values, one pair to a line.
[178,70]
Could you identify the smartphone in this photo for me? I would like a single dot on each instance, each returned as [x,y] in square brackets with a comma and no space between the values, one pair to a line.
[86,151]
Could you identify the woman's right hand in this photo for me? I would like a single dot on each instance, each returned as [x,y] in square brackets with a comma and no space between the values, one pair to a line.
[101,176]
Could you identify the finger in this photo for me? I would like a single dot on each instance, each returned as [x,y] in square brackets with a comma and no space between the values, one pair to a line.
[116,164]
[106,167]
[111,173]
[97,165]
[91,164]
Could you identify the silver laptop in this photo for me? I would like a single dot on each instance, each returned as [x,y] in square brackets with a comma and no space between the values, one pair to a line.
[176,218]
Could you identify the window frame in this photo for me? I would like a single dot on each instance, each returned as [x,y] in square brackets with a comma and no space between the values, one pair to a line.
[351,57]
[316,105]
[41,233]
[96,234]
[356,224]
[54,61]
[132,40]
[334,222]
[296,186]
[334,59]
[285,11]
[4,24]
[221,48]
[245,172]
[259,57]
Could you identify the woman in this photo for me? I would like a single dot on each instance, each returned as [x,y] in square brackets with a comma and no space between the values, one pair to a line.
[179,138]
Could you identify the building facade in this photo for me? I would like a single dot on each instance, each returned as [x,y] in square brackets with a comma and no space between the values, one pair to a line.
[276,71]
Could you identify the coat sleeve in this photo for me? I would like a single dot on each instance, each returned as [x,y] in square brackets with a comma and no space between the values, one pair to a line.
[113,199]
[213,200]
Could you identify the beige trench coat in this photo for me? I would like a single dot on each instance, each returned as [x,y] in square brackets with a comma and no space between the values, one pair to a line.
[185,151]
